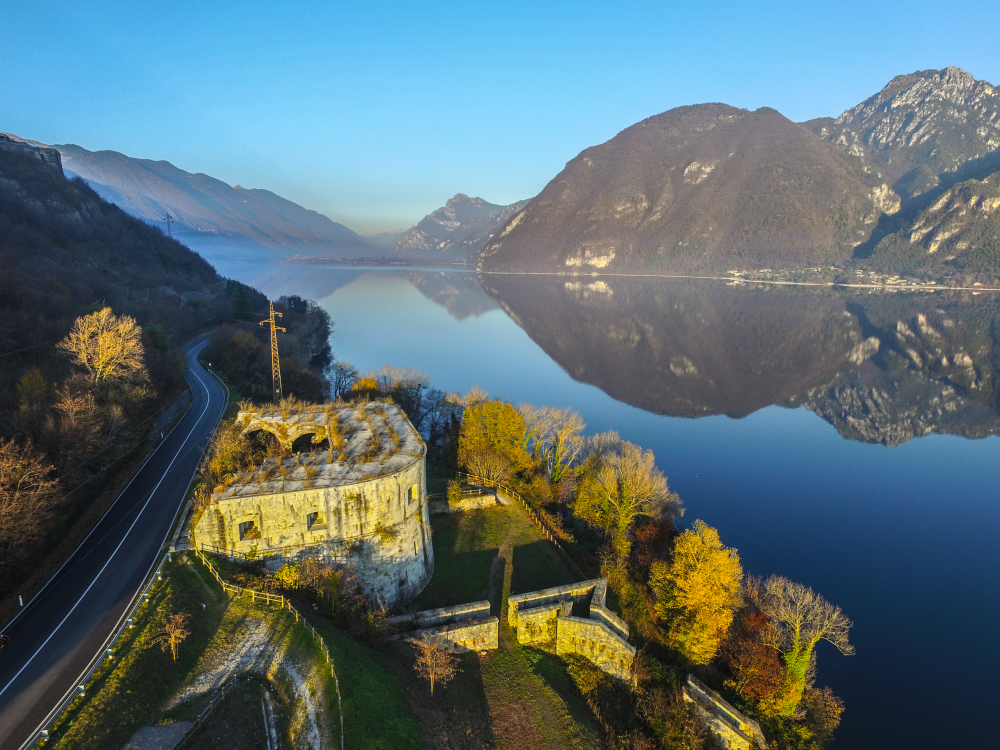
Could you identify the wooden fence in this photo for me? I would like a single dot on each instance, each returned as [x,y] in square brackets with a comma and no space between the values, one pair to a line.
[269,598]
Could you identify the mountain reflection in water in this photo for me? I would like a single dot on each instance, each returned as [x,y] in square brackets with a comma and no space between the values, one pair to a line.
[880,367]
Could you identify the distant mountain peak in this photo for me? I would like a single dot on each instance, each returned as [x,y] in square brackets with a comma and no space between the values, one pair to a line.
[920,126]
[458,229]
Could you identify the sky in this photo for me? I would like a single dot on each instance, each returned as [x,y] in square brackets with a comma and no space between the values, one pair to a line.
[376,113]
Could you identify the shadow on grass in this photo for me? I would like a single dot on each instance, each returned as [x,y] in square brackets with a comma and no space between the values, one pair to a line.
[537,565]
[457,715]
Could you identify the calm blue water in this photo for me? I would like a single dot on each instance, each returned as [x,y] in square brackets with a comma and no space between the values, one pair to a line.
[902,538]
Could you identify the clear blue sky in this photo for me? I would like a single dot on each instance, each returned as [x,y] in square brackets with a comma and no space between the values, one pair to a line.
[376,113]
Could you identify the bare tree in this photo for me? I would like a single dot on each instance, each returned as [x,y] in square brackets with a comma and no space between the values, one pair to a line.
[553,435]
[435,662]
[28,499]
[173,633]
[488,466]
[107,346]
[801,618]
[343,376]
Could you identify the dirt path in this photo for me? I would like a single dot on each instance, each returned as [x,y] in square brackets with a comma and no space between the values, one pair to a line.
[525,711]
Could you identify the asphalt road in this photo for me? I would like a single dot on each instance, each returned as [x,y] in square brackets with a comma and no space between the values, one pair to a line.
[58,635]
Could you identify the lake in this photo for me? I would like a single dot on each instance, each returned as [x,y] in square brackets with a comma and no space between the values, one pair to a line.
[844,440]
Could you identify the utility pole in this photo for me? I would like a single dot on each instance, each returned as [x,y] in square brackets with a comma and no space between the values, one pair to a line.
[275,366]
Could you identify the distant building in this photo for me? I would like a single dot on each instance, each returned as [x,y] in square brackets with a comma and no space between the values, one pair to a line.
[356,493]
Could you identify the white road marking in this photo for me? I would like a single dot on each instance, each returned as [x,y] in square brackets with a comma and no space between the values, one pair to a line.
[127,533]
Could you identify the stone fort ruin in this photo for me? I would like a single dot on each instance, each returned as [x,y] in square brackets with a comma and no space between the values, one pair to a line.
[355,494]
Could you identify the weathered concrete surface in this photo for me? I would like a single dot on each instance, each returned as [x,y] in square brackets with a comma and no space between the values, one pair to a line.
[358,506]
[597,642]
[735,730]
[442,616]
[480,635]
[542,618]
[472,502]
[163,737]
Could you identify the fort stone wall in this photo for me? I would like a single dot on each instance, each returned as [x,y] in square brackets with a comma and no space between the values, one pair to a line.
[368,511]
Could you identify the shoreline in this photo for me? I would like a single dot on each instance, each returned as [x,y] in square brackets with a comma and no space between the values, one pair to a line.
[739,280]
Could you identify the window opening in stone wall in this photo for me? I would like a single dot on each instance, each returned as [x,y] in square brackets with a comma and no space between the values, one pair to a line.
[413,492]
[315,521]
[249,530]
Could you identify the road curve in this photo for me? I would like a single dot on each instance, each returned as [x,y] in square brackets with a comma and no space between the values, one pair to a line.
[58,635]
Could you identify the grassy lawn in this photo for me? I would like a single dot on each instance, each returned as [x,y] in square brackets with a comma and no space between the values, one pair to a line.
[514,697]
[128,691]
[466,550]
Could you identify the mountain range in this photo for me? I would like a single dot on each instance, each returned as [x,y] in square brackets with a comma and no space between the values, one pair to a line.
[709,187]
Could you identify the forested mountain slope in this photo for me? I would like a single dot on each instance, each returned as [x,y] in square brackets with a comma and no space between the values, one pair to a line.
[205,206]
[699,188]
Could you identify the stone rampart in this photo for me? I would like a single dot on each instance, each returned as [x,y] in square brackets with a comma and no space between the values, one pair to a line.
[368,511]
[440,506]
[544,618]
[735,730]
[597,642]
[442,616]
[539,624]
[480,635]
[575,592]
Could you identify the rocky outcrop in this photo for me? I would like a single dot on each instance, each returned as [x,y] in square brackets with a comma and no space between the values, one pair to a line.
[457,230]
[920,126]
[707,187]
[958,232]
[48,156]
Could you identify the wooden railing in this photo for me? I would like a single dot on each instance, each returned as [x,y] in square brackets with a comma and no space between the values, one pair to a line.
[546,532]
[269,598]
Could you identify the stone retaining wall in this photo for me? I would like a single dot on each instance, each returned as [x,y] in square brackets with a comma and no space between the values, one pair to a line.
[443,616]
[481,635]
[597,642]
[544,617]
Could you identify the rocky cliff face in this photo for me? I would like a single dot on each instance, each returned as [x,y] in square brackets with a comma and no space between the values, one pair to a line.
[919,127]
[46,155]
[958,233]
[457,230]
[707,187]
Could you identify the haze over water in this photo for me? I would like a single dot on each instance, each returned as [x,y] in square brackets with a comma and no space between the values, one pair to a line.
[902,537]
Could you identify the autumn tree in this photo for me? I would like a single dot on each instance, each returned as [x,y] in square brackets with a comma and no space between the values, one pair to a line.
[619,483]
[488,466]
[108,347]
[172,634]
[29,496]
[435,662]
[698,591]
[493,426]
[801,618]
[754,661]
[821,711]
[554,436]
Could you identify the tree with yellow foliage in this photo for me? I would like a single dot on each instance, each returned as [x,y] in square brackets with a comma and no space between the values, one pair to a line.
[618,483]
[493,427]
[698,592]
[108,347]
